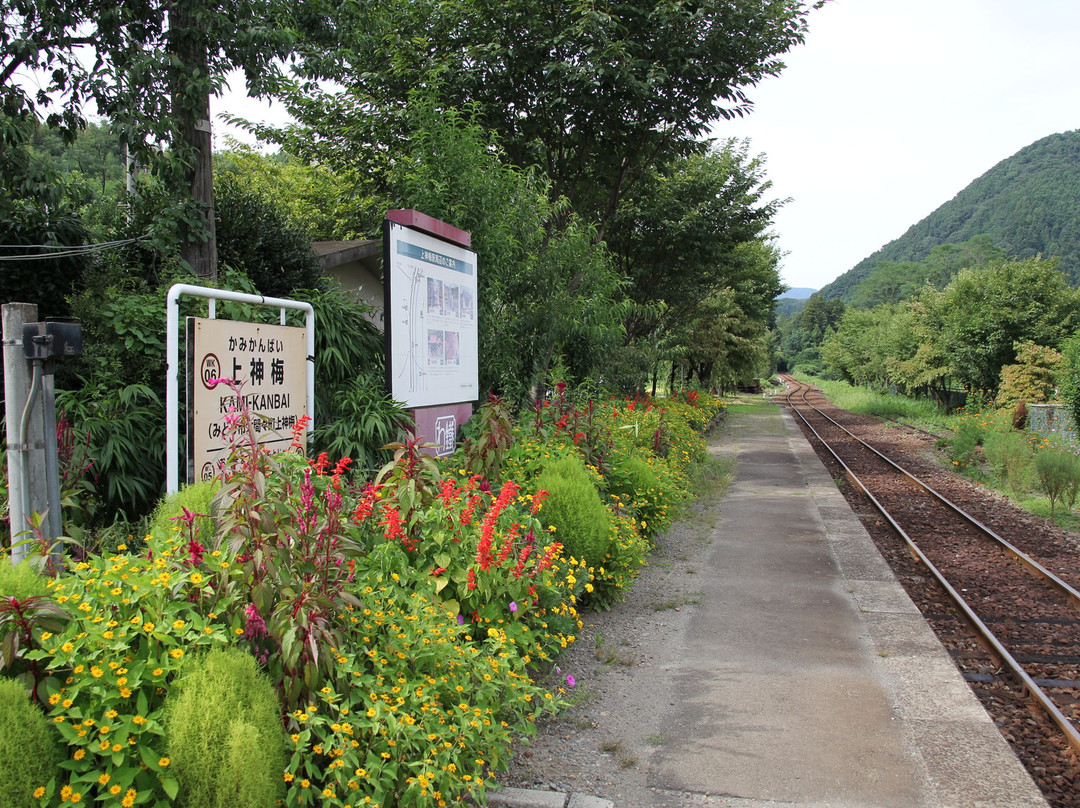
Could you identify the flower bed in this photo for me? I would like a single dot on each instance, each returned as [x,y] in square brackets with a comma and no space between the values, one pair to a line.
[397,622]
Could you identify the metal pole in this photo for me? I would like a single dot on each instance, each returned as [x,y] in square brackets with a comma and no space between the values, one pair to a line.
[26,494]
[55,520]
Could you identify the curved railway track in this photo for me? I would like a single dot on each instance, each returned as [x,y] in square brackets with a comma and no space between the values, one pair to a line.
[999,597]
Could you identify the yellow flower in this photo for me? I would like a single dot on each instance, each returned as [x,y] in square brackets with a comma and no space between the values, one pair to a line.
[79,754]
[104,779]
[164,762]
[178,624]
[176,653]
[196,578]
[114,790]
[39,792]
[148,627]
[129,798]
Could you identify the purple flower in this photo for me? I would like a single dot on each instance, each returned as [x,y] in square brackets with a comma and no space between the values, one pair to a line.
[255,627]
[513,606]
[570,680]
[461,619]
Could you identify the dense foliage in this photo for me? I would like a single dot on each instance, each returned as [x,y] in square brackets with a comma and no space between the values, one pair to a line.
[394,626]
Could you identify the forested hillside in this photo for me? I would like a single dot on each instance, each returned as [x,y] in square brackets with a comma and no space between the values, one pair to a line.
[1028,204]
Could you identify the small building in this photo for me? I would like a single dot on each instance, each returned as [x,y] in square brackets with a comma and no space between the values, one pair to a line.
[357,265]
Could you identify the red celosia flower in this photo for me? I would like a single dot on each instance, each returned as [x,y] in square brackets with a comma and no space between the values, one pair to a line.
[471,580]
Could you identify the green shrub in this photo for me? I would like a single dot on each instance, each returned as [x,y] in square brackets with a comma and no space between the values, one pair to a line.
[20,580]
[29,748]
[965,443]
[127,442]
[582,523]
[638,486]
[194,499]
[1010,457]
[221,710]
[1058,472]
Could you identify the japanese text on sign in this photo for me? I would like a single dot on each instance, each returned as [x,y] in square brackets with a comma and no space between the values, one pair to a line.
[267,362]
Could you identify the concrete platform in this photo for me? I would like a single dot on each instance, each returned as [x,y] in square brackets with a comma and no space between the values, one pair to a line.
[806,676]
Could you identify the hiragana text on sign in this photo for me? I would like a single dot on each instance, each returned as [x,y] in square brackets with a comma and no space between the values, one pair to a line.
[266,365]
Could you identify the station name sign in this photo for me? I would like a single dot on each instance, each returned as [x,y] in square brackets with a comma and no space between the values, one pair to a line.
[267,363]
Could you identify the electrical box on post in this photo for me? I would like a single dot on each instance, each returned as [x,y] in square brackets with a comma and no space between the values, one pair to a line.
[52,338]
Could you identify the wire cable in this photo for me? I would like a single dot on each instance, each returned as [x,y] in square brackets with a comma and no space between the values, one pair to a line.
[60,251]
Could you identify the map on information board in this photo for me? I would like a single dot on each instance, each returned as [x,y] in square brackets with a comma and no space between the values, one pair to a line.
[431,328]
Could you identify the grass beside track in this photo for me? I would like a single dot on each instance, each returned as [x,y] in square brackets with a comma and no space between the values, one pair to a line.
[926,415]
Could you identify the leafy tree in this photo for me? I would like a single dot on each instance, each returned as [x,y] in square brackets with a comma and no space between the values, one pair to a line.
[891,281]
[326,205]
[1069,375]
[983,314]
[593,95]
[1033,378]
[857,350]
[724,346]
[253,236]
[37,216]
[685,230]
[149,68]
[808,329]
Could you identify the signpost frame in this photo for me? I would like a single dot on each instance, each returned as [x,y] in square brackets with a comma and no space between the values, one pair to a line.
[172,378]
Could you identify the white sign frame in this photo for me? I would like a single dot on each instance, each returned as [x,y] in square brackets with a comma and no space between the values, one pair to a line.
[172,351]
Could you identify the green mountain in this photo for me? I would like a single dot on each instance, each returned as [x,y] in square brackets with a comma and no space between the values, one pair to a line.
[1027,204]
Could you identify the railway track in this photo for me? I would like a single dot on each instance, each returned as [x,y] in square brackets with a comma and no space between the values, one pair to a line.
[1006,612]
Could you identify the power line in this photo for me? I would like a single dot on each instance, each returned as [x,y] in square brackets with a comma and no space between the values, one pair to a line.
[62,251]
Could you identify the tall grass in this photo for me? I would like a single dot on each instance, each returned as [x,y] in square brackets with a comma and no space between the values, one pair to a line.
[883,405]
[982,446]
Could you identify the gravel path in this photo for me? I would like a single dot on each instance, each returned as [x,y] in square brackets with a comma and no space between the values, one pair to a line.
[600,746]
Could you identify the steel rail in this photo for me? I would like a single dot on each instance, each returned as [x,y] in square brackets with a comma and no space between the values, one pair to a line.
[1065,588]
[1029,684]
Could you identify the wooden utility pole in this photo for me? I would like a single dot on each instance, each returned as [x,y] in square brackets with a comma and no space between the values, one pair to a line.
[191,109]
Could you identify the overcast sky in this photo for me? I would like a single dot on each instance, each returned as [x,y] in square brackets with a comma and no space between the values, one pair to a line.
[891,108]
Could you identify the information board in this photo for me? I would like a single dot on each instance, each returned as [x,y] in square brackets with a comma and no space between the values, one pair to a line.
[268,363]
[430,317]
